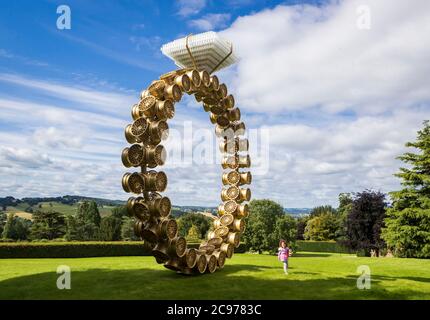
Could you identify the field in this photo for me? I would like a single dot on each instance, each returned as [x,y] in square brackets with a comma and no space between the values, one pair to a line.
[246,276]
[66,209]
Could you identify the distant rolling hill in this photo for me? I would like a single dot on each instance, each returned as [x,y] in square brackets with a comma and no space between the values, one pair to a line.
[297,211]
[68,205]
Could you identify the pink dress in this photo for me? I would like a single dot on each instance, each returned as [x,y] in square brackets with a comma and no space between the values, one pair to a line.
[283,254]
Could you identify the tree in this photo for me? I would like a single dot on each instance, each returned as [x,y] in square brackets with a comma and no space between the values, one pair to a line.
[301,225]
[72,232]
[365,221]
[407,224]
[16,228]
[48,225]
[3,219]
[317,211]
[89,212]
[186,221]
[120,211]
[322,224]
[193,234]
[110,228]
[286,228]
[321,227]
[261,232]
[79,230]
[345,206]
[86,224]
[127,229]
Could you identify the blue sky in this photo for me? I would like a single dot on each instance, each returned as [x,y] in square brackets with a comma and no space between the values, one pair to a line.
[117,41]
[338,101]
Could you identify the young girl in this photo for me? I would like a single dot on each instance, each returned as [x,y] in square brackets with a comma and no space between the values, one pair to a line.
[283,254]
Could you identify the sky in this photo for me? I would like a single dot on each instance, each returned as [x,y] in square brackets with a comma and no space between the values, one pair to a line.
[329,90]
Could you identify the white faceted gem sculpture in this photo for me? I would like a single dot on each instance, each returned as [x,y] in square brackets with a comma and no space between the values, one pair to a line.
[207,48]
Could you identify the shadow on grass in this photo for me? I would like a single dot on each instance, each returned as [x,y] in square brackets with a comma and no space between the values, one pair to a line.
[378,277]
[240,281]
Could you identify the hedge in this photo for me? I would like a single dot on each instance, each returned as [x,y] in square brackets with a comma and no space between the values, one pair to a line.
[72,249]
[321,246]
[80,249]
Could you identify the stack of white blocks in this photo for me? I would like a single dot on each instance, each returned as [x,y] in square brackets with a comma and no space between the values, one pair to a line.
[208,50]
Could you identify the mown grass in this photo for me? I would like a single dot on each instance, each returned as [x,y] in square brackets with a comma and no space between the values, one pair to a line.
[246,276]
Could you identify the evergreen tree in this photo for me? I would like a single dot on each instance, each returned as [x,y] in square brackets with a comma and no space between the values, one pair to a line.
[110,228]
[16,228]
[85,225]
[127,229]
[120,211]
[79,230]
[345,204]
[3,219]
[345,207]
[48,225]
[7,229]
[72,233]
[407,229]
[89,212]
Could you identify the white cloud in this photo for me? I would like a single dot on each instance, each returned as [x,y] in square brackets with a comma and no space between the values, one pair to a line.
[101,100]
[340,102]
[65,145]
[17,112]
[56,138]
[210,21]
[311,165]
[190,7]
[23,157]
[298,57]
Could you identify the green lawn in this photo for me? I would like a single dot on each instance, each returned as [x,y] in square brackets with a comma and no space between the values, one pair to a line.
[246,276]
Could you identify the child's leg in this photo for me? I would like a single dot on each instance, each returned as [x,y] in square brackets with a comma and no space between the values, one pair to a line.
[285,266]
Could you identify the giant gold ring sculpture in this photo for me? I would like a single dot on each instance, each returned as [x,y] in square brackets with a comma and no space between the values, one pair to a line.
[150,208]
